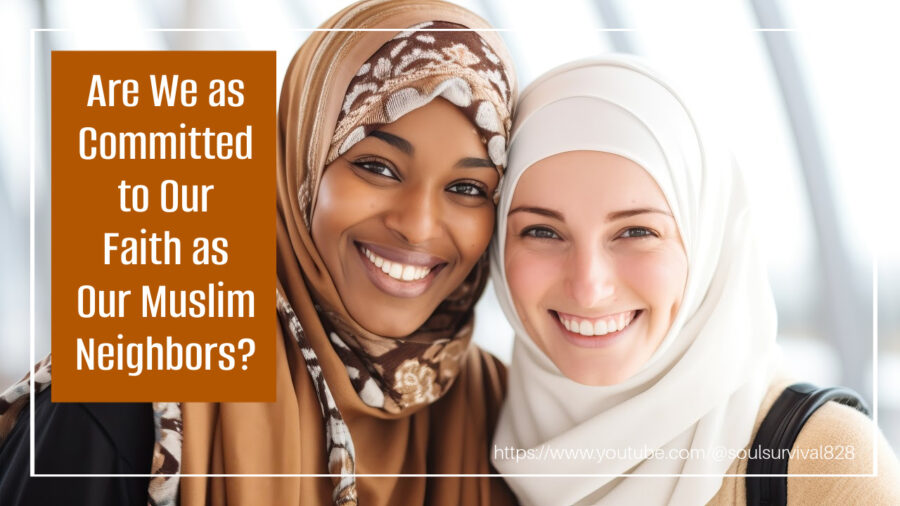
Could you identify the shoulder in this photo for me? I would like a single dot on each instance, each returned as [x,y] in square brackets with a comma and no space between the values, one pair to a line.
[838,439]
[124,430]
[78,438]
[834,427]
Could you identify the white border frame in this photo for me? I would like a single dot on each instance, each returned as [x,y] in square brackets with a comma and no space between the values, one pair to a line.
[31,314]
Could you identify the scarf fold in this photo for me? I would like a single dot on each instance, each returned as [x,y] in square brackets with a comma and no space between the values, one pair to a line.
[701,389]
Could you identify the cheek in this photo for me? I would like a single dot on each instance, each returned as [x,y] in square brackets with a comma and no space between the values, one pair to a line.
[471,229]
[343,200]
[531,279]
[657,277]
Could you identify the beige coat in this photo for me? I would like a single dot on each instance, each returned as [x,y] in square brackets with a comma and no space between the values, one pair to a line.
[839,426]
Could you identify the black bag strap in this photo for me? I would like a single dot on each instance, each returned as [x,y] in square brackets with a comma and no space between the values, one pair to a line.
[778,432]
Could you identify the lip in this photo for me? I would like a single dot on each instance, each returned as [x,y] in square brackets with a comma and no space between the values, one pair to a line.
[396,287]
[402,256]
[603,341]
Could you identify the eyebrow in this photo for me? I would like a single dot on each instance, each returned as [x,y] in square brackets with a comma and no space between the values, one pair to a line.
[405,146]
[615,215]
[474,163]
[398,142]
[618,215]
[538,210]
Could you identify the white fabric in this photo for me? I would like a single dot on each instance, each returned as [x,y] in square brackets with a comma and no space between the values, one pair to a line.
[702,387]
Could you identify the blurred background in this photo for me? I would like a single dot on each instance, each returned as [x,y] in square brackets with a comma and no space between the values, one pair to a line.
[805,91]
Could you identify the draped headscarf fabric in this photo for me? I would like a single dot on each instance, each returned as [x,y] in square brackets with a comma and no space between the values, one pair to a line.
[701,389]
[429,60]
[348,401]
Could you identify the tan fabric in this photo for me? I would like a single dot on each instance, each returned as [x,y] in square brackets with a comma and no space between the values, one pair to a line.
[832,424]
[450,436]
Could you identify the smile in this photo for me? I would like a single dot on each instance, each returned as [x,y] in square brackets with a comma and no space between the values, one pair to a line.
[594,327]
[398,272]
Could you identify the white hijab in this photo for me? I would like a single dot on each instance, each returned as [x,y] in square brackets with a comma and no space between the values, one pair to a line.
[702,388]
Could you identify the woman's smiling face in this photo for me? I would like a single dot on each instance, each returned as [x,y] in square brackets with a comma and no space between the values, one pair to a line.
[404,215]
[595,263]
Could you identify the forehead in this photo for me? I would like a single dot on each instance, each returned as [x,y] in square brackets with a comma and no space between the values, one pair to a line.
[438,123]
[587,182]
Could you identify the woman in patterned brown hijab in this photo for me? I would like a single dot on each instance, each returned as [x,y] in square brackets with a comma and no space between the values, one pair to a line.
[391,146]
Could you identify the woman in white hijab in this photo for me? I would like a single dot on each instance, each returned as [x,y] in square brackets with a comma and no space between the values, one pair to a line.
[645,325]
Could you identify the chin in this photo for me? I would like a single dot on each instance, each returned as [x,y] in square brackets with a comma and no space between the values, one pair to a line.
[593,372]
[585,377]
[395,326]
[592,379]
[601,380]
[397,332]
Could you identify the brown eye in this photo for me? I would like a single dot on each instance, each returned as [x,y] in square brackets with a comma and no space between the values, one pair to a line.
[468,188]
[376,167]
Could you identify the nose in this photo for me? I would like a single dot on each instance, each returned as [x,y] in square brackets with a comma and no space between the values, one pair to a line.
[591,276]
[415,216]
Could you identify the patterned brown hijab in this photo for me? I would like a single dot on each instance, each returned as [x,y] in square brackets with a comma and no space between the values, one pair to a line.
[348,401]
[432,59]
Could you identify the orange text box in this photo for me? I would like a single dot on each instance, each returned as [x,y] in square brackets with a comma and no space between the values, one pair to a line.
[163,226]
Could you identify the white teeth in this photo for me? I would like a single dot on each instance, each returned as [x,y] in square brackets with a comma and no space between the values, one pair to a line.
[586,328]
[597,327]
[397,270]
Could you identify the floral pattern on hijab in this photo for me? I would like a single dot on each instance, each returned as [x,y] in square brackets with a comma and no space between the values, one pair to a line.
[429,60]
[393,376]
